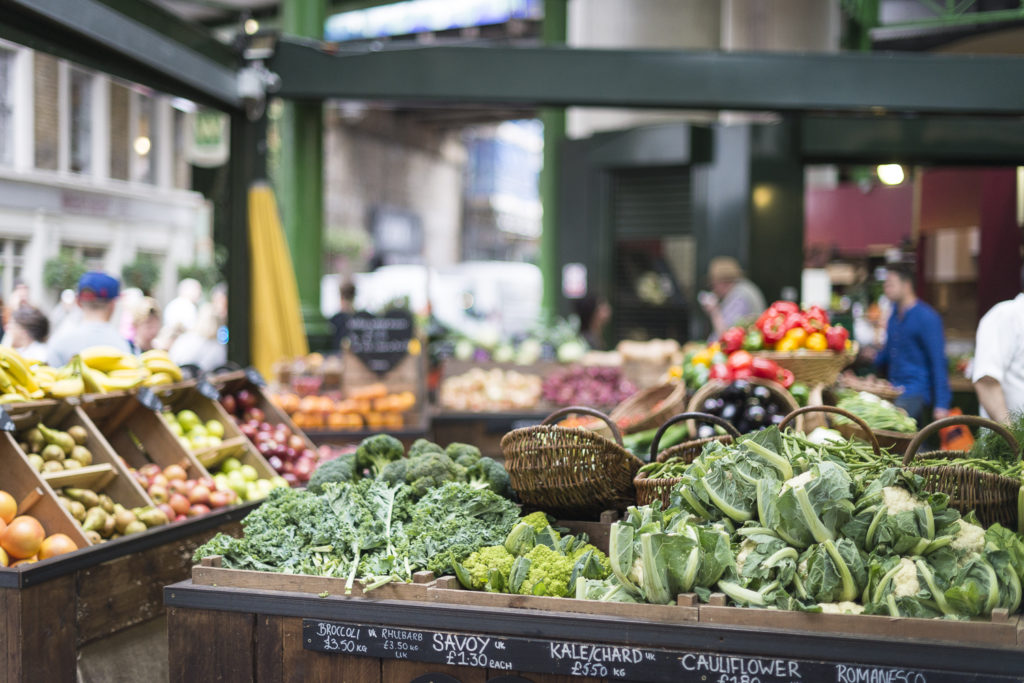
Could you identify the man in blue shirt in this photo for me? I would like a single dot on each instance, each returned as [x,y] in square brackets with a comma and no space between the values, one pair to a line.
[915,351]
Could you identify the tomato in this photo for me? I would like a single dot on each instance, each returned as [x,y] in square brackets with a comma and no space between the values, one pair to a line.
[56,544]
[8,507]
[22,537]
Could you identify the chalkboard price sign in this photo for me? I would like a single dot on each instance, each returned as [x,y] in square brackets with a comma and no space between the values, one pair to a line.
[6,423]
[380,342]
[598,660]
[146,397]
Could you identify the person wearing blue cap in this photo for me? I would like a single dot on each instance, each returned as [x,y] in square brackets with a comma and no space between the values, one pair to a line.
[97,294]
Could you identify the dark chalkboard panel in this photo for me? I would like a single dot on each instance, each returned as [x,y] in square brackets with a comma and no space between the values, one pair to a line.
[380,342]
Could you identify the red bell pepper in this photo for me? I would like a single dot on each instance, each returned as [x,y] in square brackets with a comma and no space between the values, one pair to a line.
[785,307]
[772,325]
[743,373]
[836,337]
[764,368]
[794,320]
[786,378]
[815,319]
[721,373]
[741,360]
[732,339]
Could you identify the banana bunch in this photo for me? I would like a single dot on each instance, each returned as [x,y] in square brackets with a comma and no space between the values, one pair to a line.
[103,369]
[17,381]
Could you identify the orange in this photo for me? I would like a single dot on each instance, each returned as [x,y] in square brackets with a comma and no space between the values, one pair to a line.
[8,507]
[22,537]
[56,544]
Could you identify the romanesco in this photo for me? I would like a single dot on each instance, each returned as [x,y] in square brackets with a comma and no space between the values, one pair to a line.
[479,564]
[602,559]
[538,520]
[549,573]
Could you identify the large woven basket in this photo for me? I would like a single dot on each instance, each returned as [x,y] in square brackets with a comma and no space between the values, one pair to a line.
[570,471]
[993,497]
[649,408]
[864,431]
[813,367]
[715,387]
[648,490]
[894,442]
[878,387]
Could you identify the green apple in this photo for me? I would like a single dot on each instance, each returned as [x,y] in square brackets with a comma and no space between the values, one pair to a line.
[279,482]
[215,428]
[185,442]
[198,430]
[231,464]
[250,473]
[188,420]
[176,428]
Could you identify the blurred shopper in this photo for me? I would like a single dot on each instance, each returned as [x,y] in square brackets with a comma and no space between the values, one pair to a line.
[146,325]
[66,311]
[199,346]
[339,321]
[19,297]
[594,315]
[182,311]
[27,332]
[219,301]
[999,360]
[734,299]
[915,351]
[97,295]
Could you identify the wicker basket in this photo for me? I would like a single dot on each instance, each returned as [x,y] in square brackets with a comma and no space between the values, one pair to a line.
[993,497]
[649,408]
[813,367]
[863,430]
[894,442]
[878,387]
[570,472]
[649,490]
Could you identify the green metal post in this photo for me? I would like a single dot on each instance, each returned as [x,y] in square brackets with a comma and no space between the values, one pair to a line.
[300,177]
[553,32]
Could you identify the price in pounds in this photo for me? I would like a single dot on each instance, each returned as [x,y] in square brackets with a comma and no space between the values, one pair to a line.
[589,669]
[743,678]
[400,646]
[343,645]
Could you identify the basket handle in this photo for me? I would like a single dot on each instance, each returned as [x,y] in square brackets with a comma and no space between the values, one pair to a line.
[583,410]
[970,421]
[837,411]
[700,417]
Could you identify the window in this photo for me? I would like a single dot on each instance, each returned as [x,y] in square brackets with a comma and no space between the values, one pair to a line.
[80,123]
[6,106]
[12,262]
[144,147]
[120,131]
[93,258]
[46,78]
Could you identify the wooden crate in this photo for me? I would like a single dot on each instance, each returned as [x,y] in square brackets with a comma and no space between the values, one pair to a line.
[1002,630]
[234,381]
[34,496]
[210,573]
[107,474]
[448,590]
[139,435]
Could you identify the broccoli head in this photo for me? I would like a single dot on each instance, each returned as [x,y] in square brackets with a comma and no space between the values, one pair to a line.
[422,447]
[342,468]
[394,472]
[549,574]
[430,470]
[463,454]
[478,566]
[376,451]
[488,473]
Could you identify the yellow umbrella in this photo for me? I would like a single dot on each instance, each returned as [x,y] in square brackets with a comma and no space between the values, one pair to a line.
[277,328]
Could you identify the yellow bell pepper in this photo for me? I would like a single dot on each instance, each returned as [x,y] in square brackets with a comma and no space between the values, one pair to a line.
[702,357]
[816,341]
[798,335]
[787,344]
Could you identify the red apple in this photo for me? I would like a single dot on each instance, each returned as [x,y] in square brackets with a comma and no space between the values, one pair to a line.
[295,441]
[158,480]
[179,503]
[290,478]
[180,518]
[167,510]
[159,494]
[150,470]
[219,499]
[207,482]
[246,398]
[288,466]
[229,403]
[200,494]
[173,472]
[198,509]
[304,468]
[179,486]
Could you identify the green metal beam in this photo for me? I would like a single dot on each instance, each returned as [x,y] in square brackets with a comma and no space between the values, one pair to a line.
[551,76]
[300,178]
[880,139]
[553,32]
[97,35]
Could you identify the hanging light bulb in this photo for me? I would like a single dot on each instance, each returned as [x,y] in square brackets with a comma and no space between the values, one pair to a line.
[890,174]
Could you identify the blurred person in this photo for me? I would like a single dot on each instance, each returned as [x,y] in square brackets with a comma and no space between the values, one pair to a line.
[124,314]
[339,321]
[219,301]
[733,298]
[27,332]
[594,315]
[999,360]
[66,310]
[182,310]
[199,346]
[915,351]
[19,297]
[97,296]
[145,317]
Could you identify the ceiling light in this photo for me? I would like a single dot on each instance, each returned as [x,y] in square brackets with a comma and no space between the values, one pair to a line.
[890,174]
[251,26]
[142,145]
